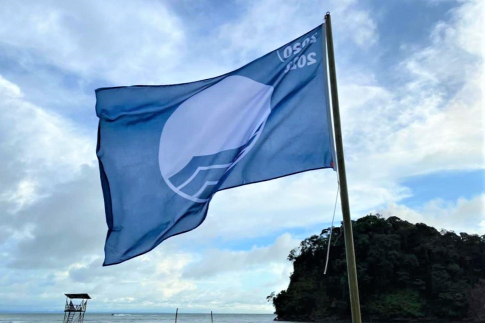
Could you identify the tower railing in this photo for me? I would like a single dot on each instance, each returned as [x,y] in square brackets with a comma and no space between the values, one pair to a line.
[74,313]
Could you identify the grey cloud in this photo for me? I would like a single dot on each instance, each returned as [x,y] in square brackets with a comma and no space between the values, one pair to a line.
[38,150]
[67,226]
[462,215]
[250,36]
[216,262]
[128,43]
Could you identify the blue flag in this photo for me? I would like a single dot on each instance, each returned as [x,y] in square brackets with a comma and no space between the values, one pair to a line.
[164,151]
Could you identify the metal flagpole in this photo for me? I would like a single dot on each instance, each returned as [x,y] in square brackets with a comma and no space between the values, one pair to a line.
[344,197]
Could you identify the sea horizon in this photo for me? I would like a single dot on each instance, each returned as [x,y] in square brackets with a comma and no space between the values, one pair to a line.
[138,317]
[130,312]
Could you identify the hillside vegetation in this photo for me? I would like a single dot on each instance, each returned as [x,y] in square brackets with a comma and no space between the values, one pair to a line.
[405,271]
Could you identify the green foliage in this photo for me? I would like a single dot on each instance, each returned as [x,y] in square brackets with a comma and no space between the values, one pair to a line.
[401,303]
[477,302]
[405,271]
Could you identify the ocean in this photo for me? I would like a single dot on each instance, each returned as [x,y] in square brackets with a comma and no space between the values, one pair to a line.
[141,318]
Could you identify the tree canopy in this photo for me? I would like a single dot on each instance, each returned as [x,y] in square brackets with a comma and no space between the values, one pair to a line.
[405,271]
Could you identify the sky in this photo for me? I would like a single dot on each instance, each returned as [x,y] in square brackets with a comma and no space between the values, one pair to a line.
[411,84]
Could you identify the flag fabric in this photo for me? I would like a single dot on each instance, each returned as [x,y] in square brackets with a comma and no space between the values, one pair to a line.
[164,151]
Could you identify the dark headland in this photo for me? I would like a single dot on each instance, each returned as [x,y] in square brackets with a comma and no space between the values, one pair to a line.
[407,273]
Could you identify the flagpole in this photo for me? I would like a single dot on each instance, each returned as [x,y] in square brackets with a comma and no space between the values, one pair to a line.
[344,197]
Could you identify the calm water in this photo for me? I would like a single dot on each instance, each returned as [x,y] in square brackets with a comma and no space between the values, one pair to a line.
[141,318]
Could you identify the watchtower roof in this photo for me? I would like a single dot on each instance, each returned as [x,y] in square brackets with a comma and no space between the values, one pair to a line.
[81,296]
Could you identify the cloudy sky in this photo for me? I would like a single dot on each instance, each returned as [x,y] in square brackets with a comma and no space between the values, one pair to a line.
[411,77]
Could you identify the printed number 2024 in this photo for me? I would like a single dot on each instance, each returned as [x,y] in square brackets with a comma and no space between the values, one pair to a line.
[301,61]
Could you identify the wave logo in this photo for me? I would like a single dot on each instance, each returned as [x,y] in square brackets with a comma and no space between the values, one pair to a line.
[209,133]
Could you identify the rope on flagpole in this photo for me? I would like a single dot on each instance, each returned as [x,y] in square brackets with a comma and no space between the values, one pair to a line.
[331,229]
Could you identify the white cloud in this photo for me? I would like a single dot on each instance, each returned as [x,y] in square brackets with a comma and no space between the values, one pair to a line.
[156,281]
[9,90]
[463,215]
[50,194]
[251,36]
[216,261]
[431,120]
[39,149]
[136,42]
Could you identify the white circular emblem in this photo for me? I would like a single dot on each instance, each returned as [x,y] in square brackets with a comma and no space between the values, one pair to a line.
[210,133]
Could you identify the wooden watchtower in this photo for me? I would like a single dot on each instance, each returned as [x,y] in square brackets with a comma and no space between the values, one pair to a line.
[74,313]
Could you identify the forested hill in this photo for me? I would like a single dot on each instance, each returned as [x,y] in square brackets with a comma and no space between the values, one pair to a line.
[405,271]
